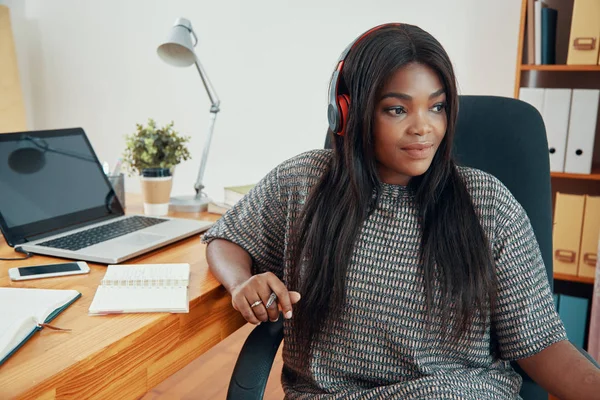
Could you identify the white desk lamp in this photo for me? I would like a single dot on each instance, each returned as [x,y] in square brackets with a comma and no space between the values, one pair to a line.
[178,50]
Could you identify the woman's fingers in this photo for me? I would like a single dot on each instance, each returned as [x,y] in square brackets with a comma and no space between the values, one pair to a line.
[258,306]
[283,296]
[272,311]
[294,297]
[251,298]
[243,305]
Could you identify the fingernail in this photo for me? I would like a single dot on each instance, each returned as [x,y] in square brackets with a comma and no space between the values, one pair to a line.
[288,315]
[274,320]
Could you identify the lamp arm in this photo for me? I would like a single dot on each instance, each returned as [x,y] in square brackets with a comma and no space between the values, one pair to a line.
[214,109]
[198,186]
[210,90]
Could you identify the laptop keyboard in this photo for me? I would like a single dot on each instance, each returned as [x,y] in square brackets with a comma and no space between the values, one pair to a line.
[90,237]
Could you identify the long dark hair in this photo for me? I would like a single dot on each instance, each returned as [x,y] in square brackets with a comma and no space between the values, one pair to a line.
[454,250]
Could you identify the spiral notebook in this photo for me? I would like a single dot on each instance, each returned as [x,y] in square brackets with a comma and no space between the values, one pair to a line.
[142,288]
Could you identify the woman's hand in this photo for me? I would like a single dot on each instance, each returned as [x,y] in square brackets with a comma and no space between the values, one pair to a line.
[232,266]
[257,290]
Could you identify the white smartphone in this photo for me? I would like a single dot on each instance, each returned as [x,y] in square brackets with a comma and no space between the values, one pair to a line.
[48,271]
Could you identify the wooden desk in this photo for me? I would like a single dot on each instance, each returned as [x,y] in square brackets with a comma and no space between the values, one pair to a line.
[117,356]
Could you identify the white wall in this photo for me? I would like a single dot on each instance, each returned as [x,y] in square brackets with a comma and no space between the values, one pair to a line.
[93,64]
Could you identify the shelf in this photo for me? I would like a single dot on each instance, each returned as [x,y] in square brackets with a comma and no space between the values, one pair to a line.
[594,176]
[563,68]
[573,278]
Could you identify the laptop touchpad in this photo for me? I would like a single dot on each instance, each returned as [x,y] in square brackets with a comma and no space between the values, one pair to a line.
[140,239]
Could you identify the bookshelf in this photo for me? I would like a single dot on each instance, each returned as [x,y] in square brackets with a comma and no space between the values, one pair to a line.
[563,68]
[561,75]
[594,176]
[570,278]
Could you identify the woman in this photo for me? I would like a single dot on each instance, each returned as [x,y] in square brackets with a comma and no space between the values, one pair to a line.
[418,278]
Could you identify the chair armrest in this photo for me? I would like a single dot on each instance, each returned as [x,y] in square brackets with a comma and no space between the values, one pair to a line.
[254,363]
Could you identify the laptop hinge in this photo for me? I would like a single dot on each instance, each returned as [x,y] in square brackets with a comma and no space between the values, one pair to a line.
[69,228]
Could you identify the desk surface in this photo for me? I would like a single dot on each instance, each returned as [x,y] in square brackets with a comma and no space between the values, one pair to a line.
[116,356]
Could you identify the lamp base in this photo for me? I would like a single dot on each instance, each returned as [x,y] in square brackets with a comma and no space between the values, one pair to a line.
[189,204]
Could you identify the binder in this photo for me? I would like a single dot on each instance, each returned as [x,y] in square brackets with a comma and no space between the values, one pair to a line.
[538,5]
[589,237]
[555,111]
[533,96]
[530,33]
[573,313]
[585,33]
[566,234]
[582,130]
[549,18]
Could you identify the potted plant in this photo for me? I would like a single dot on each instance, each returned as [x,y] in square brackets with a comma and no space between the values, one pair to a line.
[153,152]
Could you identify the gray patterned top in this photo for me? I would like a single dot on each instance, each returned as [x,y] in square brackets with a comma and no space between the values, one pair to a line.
[380,347]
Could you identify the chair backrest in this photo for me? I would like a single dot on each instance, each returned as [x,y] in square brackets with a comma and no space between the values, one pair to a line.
[507,138]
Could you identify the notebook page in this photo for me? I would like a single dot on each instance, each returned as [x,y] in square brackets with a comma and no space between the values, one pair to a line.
[11,335]
[37,303]
[22,309]
[147,275]
[120,299]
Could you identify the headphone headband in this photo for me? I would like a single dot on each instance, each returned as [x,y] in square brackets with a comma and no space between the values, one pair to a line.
[337,110]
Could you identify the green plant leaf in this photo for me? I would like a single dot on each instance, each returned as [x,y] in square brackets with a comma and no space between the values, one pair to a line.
[151,146]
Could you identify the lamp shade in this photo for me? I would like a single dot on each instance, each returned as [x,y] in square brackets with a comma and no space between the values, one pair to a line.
[178,49]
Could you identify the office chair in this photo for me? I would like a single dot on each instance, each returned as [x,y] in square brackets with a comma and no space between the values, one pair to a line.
[502,136]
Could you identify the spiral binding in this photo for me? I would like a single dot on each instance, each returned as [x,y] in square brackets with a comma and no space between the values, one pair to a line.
[144,283]
[142,278]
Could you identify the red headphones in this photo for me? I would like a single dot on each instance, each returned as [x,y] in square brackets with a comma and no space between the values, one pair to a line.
[339,104]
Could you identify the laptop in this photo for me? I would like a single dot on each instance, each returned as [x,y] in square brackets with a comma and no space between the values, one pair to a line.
[56,200]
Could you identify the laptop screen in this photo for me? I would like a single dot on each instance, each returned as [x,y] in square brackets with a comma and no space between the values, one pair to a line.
[51,180]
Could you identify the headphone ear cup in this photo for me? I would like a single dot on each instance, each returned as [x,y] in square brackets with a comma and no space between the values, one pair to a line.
[344,105]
